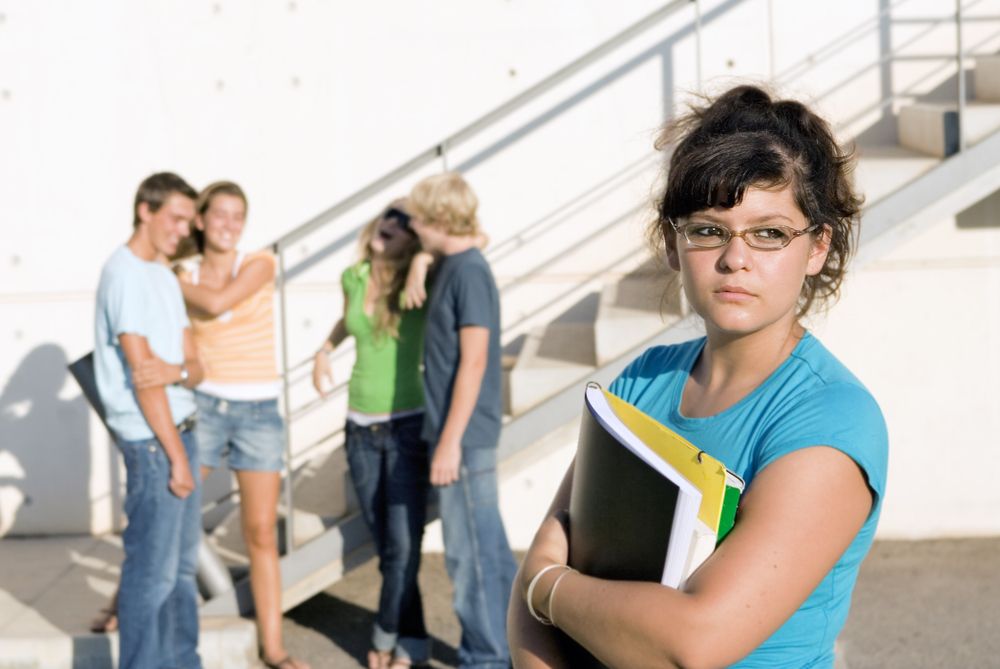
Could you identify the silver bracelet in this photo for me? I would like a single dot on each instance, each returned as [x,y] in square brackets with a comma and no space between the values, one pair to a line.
[531,591]
[552,595]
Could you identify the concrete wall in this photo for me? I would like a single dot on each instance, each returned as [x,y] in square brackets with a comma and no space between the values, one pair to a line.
[303,102]
[920,328]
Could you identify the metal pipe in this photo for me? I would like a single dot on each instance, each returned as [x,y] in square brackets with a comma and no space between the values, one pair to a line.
[960,56]
[697,42]
[443,152]
[212,576]
[504,110]
[287,408]
[770,39]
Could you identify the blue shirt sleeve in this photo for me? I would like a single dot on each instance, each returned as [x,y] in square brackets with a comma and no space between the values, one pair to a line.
[841,415]
[125,307]
[474,296]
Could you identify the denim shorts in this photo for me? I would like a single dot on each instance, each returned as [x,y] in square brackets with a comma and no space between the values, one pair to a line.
[251,433]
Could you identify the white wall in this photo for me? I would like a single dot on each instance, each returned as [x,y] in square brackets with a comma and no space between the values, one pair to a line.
[303,102]
[920,327]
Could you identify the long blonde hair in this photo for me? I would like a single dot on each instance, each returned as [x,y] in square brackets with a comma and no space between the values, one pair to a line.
[392,277]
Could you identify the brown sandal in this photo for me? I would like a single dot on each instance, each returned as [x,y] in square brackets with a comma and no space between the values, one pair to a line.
[379,659]
[287,662]
[106,621]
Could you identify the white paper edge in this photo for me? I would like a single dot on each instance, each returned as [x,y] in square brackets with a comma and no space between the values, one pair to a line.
[688,498]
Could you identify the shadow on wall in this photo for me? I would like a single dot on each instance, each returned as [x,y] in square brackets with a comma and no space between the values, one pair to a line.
[983,214]
[44,449]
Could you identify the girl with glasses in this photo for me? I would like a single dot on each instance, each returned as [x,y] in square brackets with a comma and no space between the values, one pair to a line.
[756,217]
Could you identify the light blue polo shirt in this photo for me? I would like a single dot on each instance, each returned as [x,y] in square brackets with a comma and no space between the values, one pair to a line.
[810,400]
[142,298]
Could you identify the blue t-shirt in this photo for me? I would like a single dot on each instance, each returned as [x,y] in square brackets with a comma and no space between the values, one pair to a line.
[142,298]
[464,294]
[810,400]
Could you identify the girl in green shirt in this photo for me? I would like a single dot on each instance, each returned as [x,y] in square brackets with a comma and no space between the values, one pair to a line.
[388,461]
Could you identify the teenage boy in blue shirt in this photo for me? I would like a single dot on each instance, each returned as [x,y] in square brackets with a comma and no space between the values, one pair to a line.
[462,414]
[143,338]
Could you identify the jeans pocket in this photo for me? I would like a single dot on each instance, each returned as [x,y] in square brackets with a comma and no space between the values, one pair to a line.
[361,459]
[141,466]
[479,468]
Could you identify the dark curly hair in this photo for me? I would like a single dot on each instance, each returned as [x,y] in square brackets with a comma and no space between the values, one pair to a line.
[748,138]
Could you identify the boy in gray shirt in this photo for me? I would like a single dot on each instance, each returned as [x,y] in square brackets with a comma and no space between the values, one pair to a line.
[462,415]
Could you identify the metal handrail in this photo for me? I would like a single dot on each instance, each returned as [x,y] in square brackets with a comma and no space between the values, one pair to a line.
[858,31]
[441,148]
[438,151]
[836,45]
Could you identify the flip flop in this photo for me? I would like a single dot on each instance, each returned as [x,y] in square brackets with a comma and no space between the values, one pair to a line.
[406,663]
[287,662]
[106,621]
[379,659]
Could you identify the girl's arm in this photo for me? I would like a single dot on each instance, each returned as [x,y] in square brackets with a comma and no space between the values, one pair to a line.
[533,645]
[415,290]
[151,371]
[249,279]
[321,362]
[798,517]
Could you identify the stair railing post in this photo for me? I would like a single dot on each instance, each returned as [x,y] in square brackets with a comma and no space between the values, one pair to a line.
[286,400]
[959,55]
[442,150]
[770,39]
[697,42]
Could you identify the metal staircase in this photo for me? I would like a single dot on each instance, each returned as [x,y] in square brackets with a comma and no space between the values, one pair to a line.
[946,158]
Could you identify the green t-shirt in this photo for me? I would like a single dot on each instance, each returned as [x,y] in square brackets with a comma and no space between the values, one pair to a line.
[386,376]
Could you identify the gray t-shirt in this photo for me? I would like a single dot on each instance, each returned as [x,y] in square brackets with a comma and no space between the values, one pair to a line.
[464,294]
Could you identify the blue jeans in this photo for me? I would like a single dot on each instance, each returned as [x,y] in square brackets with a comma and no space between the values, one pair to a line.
[479,560]
[390,470]
[158,598]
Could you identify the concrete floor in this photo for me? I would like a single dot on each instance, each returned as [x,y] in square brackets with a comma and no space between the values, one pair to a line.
[927,604]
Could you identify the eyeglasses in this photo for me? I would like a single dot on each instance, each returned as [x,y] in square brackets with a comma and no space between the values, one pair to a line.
[762,237]
[401,217]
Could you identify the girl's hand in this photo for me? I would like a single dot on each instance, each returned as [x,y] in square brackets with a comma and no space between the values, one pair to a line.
[321,371]
[153,372]
[415,291]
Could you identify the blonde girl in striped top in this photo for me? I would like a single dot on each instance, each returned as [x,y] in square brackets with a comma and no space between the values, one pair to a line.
[229,296]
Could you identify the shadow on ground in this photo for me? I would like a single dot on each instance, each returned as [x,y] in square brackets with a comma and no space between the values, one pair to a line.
[349,627]
[333,628]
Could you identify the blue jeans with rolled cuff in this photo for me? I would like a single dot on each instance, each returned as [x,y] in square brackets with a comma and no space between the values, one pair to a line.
[158,597]
[390,471]
[479,560]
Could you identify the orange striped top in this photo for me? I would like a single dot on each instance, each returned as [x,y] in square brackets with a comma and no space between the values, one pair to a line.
[238,347]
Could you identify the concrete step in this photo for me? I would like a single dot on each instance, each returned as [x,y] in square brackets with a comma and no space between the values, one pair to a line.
[634,309]
[50,589]
[932,127]
[986,78]
[883,169]
[553,357]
